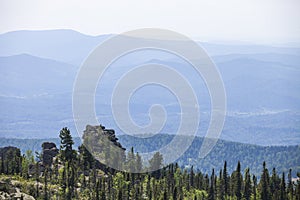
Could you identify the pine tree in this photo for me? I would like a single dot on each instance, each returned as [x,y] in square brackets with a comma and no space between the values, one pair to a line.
[274,185]
[192,177]
[264,184]
[225,179]
[282,188]
[63,181]
[206,182]
[175,193]
[254,179]
[238,182]
[247,186]
[139,163]
[221,193]
[2,163]
[165,193]
[87,158]
[66,143]
[211,195]
[68,155]
[290,185]
[155,164]
[131,165]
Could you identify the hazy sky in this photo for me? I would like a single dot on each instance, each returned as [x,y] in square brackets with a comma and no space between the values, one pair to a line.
[257,21]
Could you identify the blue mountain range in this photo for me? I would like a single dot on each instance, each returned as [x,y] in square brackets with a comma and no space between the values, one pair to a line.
[38,70]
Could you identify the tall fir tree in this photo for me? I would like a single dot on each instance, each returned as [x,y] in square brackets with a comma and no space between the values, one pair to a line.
[283,187]
[66,145]
[254,179]
[211,195]
[264,184]
[238,182]
[247,185]
[290,187]
[225,179]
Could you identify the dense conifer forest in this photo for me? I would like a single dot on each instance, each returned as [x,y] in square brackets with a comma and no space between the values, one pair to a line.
[71,173]
[249,155]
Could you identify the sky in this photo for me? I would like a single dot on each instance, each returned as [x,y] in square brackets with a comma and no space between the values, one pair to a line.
[254,21]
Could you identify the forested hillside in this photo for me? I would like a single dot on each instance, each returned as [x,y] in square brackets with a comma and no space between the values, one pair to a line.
[252,156]
[281,157]
[74,174]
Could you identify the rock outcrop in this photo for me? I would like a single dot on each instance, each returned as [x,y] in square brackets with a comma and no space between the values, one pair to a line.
[9,191]
[49,152]
[103,144]
[36,168]
[96,131]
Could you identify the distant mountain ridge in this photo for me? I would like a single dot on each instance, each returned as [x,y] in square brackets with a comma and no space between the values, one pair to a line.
[73,47]
[62,45]
[38,69]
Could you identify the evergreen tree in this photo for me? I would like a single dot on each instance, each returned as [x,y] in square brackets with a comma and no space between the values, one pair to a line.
[221,193]
[2,163]
[211,195]
[192,177]
[131,164]
[290,185]
[139,163]
[175,195]
[66,145]
[172,182]
[155,164]
[254,179]
[275,185]
[87,158]
[264,184]
[282,188]
[225,179]
[68,155]
[238,182]
[247,186]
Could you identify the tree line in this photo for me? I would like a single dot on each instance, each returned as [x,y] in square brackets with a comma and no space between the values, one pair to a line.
[249,155]
[76,174]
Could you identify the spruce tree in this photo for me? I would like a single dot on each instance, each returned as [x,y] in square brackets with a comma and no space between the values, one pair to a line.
[139,163]
[282,187]
[221,193]
[225,179]
[2,163]
[155,164]
[68,155]
[238,182]
[290,185]
[254,179]
[192,177]
[274,185]
[247,186]
[264,184]
[66,144]
[211,195]
[175,193]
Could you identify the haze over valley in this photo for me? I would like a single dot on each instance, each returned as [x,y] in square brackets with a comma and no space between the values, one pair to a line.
[38,70]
